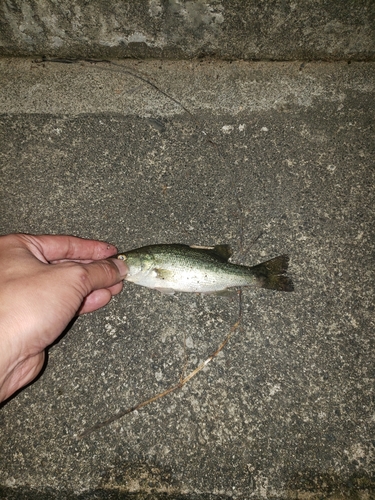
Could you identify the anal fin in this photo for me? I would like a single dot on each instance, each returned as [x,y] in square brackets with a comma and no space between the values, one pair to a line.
[228,292]
[165,291]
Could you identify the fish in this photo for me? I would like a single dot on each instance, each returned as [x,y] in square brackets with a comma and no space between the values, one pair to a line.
[171,268]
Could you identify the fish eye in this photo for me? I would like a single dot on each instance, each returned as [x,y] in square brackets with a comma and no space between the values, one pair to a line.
[121,257]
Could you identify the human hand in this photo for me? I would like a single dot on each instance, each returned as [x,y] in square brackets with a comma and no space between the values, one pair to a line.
[44,282]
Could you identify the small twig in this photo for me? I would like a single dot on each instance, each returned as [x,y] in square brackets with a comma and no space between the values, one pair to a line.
[183,380]
[179,385]
[134,74]
[120,68]
[186,360]
[250,245]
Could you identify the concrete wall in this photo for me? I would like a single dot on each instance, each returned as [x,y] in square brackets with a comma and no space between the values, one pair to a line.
[253,29]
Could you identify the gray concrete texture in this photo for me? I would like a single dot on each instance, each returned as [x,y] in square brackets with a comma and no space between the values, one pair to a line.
[176,29]
[270,158]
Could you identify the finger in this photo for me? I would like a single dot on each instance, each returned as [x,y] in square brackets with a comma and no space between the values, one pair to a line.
[58,247]
[115,289]
[99,274]
[79,261]
[95,300]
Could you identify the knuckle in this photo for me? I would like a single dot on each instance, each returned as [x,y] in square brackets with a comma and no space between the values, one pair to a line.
[109,270]
[82,276]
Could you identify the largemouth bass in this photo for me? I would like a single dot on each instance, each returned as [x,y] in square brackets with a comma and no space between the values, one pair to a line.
[182,268]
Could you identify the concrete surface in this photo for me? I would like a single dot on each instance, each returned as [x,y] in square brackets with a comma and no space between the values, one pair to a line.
[286,411]
[226,29]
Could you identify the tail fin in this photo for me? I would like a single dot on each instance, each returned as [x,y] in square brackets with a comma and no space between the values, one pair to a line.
[272,274]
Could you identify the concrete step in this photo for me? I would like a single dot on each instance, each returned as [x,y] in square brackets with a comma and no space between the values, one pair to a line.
[179,29]
[270,158]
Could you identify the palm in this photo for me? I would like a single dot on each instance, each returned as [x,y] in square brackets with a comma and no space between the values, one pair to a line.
[38,300]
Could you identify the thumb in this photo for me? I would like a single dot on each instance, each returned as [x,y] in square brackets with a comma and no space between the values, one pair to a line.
[102,274]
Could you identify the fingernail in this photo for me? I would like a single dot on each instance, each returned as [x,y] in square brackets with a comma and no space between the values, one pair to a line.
[121,266]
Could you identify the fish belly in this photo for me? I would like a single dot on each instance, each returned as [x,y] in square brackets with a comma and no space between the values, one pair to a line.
[191,280]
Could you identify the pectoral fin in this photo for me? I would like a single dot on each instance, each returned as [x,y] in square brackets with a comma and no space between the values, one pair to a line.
[163,274]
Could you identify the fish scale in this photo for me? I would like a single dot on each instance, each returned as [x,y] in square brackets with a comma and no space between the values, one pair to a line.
[172,268]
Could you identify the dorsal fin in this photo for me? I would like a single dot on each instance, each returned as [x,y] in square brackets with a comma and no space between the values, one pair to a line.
[222,251]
